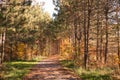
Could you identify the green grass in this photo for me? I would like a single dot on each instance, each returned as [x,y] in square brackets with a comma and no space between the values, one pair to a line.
[67,63]
[100,74]
[93,74]
[17,69]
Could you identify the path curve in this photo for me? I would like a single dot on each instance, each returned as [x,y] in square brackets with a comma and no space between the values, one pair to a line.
[50,69]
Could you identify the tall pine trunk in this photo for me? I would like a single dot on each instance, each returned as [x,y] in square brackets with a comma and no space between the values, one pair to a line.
[97,42]
[88,27]
[106,31]
[85,37]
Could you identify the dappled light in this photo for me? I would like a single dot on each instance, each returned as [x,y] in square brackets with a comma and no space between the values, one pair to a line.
[70,40]
[50,69]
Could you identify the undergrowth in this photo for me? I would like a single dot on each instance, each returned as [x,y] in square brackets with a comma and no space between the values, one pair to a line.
[91,74]
[15,70]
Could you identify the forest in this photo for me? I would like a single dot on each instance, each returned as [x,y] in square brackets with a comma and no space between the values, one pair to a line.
[85,34]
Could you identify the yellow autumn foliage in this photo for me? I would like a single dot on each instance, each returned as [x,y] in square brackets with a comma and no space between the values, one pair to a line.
[66,48]
[20,50]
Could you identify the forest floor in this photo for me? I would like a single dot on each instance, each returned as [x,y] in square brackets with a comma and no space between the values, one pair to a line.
[50,69]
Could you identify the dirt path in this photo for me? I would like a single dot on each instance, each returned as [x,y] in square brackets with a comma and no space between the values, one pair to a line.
[50,69]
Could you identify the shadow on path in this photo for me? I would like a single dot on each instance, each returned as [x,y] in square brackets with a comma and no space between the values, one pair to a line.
[50,69]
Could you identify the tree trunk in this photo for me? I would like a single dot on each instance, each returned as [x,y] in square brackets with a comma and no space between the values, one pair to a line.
[85,37]
[3,47]
[101,42]
[106,32]
[106,43]
[97,42]
[75,39]
[88,28]
[11,51]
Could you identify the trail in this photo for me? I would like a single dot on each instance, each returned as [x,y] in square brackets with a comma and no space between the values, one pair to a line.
[50,69]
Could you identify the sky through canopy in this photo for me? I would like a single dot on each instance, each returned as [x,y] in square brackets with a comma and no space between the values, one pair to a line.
[48,6]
